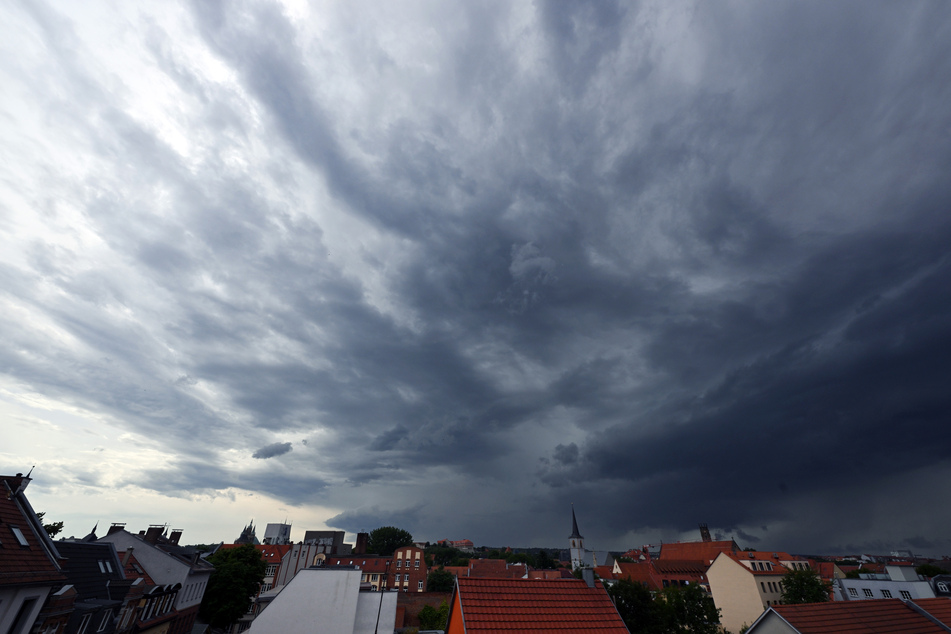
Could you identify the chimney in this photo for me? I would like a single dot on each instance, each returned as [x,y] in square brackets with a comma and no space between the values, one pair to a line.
[154,532]
[361,547]
[116,527]
[126,556]
[175,536]
[588,575]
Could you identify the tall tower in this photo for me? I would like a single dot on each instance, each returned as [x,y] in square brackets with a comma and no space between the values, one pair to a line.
[575,542]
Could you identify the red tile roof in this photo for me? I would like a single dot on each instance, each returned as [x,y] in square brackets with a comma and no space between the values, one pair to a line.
[939,608]
[22,565]
[271,553]
[698,551]
[872,616]
[535,605]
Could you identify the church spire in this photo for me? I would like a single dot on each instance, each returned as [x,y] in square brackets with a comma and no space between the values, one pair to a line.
[574,525]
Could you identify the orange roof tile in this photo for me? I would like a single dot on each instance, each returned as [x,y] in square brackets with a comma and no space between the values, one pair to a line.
[841,617]
[698,551]
[535,605]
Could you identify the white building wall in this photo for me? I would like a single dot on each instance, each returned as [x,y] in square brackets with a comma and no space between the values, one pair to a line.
[327,601]
[12,598]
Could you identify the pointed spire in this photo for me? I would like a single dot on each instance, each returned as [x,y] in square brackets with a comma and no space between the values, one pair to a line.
[574,525]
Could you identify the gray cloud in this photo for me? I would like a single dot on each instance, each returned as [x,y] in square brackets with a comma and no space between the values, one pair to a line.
[686,257]
[272,450]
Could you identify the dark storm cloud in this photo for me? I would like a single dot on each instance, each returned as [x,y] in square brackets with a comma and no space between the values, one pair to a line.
[272,450]
[685,256]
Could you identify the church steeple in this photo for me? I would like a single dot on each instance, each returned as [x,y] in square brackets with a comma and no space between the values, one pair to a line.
[575,542]
[575,534]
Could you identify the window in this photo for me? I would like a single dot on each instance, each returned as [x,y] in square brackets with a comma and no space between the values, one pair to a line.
[768,565]
[853,592]
[22,621]
[84,624]
[19,535]
[271,570]
[373,577]
[886,594]
[265,587]
[105,566]
[399,564]
[905,595]
[106,618]
[417,562]
[762,585]
[420,585]
[868,592]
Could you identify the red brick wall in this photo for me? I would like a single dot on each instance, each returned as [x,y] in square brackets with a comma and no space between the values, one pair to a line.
[413,602]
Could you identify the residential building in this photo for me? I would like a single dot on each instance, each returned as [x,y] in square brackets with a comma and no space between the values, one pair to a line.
[30,564]
[924,616]
[487,606]
[658,574]
[328,542]
[374,569]
[744,583]
[327,599]
[409,570]
[167,565]
[899,581]
[490,569]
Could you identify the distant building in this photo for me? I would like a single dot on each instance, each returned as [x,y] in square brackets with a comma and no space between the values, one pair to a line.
[899,581]
[247,535]
[579,556]
[328,542]
[277,534]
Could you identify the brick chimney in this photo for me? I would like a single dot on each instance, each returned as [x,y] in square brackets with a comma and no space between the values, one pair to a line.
[361,547]
[116,527]
[154,532]
[175,536]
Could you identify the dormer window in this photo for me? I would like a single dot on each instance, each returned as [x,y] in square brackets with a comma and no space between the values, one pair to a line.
[21,539]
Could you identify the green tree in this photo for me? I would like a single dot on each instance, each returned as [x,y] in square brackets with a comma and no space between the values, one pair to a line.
[544,561]
[930,570]
[636,605]
[443,555]
[235,580]
[855,574]
[804,586]
[53,528]
[440,580]
[431,618]
[690,610]
[386,539]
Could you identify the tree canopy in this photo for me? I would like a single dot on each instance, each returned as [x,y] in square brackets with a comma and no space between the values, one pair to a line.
[930,570]
[804,586]
[386,539]
[53,528]
[237,576]
[440,580]
[687,609]
[431,618]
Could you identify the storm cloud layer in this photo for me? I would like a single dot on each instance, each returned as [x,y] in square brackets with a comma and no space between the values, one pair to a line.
[452,266]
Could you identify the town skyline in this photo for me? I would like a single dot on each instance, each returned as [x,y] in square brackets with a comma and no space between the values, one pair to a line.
[454,266]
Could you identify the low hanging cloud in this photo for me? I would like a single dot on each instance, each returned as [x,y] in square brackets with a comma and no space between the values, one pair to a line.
[272,450]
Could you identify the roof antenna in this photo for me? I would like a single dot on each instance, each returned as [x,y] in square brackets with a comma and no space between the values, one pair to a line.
[31,470]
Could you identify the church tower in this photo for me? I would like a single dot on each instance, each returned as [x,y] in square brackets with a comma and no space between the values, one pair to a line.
[575,542]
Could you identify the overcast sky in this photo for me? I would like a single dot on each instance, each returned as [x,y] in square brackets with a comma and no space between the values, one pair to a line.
[453,266]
